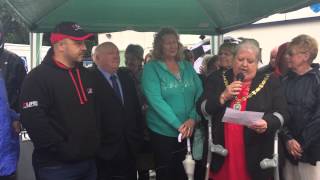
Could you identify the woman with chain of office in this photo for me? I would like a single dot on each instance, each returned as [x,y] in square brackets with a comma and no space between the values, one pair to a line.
[243,88]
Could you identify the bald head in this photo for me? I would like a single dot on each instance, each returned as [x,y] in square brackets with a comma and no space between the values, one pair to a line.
[105,46]
[106,57]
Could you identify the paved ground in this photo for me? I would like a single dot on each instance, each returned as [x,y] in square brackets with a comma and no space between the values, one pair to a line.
[25,170]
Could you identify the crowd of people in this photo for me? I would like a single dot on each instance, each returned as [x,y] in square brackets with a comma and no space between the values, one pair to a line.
[108,122]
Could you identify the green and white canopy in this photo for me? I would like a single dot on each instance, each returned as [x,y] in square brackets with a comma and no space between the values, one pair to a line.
[188,16]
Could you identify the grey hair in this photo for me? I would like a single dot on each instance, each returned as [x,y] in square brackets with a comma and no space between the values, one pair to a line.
[250,44]
[136,50]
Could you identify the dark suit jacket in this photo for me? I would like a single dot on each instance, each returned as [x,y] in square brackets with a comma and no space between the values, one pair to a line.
[257,146]
[121,123]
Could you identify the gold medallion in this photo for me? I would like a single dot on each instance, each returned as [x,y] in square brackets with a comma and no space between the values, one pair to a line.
[237,106]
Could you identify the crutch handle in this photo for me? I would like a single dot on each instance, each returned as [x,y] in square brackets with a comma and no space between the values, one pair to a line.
[269,163]
[218,149]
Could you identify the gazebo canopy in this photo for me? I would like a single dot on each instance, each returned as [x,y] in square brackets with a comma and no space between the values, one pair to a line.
[187,16]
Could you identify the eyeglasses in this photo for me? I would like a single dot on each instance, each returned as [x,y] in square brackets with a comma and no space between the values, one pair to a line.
[292,53]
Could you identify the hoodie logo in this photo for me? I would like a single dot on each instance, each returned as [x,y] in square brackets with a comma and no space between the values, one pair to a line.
[29,104]
[89,90]
[76,27]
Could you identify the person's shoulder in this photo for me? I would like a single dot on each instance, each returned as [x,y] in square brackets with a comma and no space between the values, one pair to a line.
[42,71]
[38,70]
[187,64]
[271,78]
[38,73]
[93,69]
[262,74]
[125,72]
[10,53]
[13,57]
[316,72]
[84,69]
[151,65]
[265,69]
[315,68]
[216,75]
[152,62]
[94,73]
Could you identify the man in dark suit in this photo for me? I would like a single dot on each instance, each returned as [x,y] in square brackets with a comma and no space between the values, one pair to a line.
[121,126]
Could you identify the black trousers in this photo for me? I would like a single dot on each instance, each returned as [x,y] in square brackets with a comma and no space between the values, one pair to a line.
[10,177]
[121,167]
[200,170]
[169,154]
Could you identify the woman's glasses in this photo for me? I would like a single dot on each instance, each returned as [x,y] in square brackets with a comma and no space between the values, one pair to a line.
[293,53]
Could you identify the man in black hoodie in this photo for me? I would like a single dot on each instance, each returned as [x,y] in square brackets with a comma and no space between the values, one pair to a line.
[58,109]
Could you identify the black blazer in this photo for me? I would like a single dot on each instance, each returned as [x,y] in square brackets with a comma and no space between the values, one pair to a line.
[121,123]
[257,146]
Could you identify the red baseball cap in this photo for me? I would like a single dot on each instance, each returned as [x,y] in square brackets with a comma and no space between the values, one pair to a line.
[69,30]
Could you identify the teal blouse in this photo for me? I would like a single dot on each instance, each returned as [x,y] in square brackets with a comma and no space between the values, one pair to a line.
[171,98]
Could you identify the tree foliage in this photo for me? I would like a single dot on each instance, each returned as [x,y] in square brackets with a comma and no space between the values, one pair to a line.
[15,31]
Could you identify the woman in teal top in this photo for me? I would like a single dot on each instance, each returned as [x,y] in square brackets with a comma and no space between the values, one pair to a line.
[172,88]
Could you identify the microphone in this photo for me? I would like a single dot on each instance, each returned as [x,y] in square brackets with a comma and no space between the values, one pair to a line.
[218,149]
[240,76]
[269,163]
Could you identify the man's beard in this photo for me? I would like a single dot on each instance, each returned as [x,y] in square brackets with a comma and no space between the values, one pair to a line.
[76,59]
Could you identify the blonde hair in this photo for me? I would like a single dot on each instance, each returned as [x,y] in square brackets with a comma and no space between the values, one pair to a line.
[157,52]
[307,44]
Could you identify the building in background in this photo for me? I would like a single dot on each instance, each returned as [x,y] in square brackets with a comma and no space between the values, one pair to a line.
[280,28]
[270,32]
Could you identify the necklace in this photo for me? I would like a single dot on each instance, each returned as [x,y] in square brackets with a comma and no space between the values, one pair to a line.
[237,104]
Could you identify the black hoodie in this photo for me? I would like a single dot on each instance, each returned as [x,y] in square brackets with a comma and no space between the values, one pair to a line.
[58,111]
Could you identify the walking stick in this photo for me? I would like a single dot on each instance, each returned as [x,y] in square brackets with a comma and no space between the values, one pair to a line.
[209,156]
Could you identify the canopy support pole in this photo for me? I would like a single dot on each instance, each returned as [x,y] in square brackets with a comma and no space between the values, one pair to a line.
[216,41]
[35,49]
